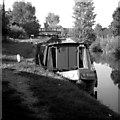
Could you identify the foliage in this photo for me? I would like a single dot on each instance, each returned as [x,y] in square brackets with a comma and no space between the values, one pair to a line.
[84,20]
[115,24]
[65,32]
[110,46]
[98,30]
[115,75]
[0,18]
[5,21]
[117,53]
[101,32]
[1,11]
[16,31]
[105,32]
[31,28]
[113,44]
[23,12]
[23,19]
[96,47]
[52,20]
[46,25]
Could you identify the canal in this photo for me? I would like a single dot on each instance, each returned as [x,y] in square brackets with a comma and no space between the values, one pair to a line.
[108,73]
[107,92]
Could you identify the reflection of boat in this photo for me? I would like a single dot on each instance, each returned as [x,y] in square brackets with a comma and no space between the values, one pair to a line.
[70,60]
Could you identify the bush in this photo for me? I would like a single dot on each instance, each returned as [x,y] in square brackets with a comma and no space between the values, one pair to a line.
[117,54]
[16,31]
[109,47]
[31,28]
[112,44]
[96,46]
[113,47]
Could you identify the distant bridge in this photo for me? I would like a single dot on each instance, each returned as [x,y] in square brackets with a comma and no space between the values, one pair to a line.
[52,31]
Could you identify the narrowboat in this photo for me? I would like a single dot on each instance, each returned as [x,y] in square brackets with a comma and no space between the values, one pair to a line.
[70,60]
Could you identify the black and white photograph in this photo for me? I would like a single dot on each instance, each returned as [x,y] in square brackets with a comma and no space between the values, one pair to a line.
[60,60]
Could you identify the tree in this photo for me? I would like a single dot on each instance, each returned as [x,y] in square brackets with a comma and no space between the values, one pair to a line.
[105,32]
[23,15]
[84,20]
[115,75]
[32,28]
[0,19]
[46,25]
[5,22]
[52,20]
[23,12]
[101,32]
[115,24]
[98,30]
[16,31]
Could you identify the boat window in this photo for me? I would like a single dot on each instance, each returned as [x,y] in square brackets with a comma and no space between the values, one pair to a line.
[51,58]
[86,59]
[81,52]
[53,51]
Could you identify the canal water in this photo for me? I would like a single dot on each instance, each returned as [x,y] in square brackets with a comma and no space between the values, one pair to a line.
[107,92]
[108,73]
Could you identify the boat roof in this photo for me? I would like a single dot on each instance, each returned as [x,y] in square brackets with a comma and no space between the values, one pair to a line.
[57,42]
[67,44]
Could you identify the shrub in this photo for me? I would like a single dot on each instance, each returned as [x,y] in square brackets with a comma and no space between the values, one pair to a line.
[16,31]
[109,47]
[117,53]
[113,47]
[113,44]
[96,46]
[31,28]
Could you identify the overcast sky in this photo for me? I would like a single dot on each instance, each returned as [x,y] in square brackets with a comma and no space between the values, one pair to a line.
[64,8]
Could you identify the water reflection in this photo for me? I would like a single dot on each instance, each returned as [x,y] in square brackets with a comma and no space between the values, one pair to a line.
[108,71]
[112,62]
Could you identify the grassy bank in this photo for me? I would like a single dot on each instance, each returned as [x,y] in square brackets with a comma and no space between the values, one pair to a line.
[30,92]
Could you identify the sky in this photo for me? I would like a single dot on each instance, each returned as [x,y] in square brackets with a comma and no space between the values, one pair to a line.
[64,8]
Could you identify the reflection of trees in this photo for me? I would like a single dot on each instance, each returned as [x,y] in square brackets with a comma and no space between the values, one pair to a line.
[115,75]
[112,62]
[102,58]
[98,57]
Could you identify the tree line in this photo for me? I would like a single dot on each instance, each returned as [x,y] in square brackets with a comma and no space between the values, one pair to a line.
[107,39]
[21,22]
[85,20]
